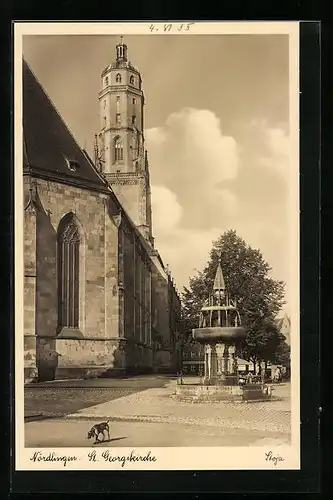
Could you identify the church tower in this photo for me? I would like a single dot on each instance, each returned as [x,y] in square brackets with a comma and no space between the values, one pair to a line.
[122,157]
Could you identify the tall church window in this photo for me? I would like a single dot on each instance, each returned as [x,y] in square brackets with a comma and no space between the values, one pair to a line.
[118,118]
[118,150]
[106,81]
[118,78]
[68,274]
[132,80]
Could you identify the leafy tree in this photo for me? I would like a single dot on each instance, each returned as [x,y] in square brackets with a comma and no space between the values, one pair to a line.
[258,296]
[282,354]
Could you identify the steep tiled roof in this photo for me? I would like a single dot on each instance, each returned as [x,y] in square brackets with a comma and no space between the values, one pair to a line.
[49,148]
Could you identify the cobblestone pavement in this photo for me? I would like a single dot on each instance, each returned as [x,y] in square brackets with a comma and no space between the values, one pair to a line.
[61,397]
[149,400]
[73,433]
[60,401]
[157,406]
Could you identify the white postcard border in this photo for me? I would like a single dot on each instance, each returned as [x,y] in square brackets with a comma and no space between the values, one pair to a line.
[189,458]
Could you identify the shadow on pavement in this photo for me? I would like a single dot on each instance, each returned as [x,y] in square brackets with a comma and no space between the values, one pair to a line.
[131,382]
[42,416]
[109,440]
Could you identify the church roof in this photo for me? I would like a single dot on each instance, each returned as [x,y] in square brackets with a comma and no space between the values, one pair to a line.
[49,148]
[119,65]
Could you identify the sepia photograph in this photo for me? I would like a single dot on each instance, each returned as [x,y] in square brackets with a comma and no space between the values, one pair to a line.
[157,254]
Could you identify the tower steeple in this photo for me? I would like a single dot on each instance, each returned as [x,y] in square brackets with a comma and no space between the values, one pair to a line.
[121,49]
[121,138]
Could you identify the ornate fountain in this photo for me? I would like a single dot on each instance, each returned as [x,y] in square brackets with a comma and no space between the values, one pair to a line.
[219,330]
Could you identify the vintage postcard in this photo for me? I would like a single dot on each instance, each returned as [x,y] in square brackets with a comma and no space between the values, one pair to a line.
[157,246]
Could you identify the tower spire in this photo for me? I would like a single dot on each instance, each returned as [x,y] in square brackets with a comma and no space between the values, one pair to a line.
[96,151]
[219,283]
[121,50]
[219,296]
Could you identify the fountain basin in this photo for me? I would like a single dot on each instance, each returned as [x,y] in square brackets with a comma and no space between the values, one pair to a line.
[218,334]
[216,393]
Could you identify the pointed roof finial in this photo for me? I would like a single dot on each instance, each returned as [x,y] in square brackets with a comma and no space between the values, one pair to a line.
[219,279]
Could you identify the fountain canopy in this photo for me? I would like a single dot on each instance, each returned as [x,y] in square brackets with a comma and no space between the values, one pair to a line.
[219,321]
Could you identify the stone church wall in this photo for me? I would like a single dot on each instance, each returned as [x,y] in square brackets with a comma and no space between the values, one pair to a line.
[30,370]
[160,323]
[99,305]
[137,303]
[115,318]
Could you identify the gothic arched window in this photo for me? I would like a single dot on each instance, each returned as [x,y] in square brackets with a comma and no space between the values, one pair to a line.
[106,81]
[118,150]
[132,80]
[68,272]
[118,78]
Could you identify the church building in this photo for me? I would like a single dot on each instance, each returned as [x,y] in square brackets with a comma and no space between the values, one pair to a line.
[98,300]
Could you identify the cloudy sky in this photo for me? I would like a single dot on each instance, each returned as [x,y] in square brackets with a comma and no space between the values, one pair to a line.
[217,133]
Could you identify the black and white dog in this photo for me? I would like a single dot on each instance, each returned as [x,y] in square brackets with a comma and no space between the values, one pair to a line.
[98,429]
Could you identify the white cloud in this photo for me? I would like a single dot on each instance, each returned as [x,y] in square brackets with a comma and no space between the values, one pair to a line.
[191,157]
[229,201]
[202,145]
[185,251]
[156,135]
[167,211]
[204,183]
[275,147]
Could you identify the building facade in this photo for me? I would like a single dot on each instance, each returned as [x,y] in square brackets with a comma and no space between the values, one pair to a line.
[98,299]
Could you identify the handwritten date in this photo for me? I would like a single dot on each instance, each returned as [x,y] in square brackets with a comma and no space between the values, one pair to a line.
[170,27]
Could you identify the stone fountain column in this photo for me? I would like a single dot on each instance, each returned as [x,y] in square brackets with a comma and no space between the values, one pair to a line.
[225,359]
[228,365]
[231,360]
[213,363]
[207,362]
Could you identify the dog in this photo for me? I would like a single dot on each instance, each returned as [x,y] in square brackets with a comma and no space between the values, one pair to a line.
[98,429]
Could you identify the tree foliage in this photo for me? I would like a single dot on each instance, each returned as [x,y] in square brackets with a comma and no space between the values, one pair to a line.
[259,297]
[282,354]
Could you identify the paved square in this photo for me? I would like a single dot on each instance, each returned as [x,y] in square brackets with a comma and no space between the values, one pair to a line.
[141,416]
